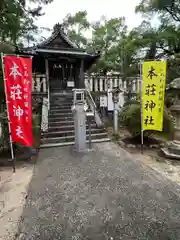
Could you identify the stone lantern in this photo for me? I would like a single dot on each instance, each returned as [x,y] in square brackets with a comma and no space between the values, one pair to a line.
[173,148]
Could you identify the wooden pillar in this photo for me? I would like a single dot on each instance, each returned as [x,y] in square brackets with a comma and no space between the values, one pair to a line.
[81,78]
[47,79]
[76,76]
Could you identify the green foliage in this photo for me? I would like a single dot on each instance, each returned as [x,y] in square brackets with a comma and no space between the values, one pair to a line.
[164,39]
[107,36]
[17,19]
[75,26]
[5,48]
[168,7]
[130,117]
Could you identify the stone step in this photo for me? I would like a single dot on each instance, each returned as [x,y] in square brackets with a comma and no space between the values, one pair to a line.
[60,114]
[60,91]
[60,106]
[71,138]
[62,144]
[61,97]
[69,133]
[65,123]
[66,127]
[60,119]
[61,123]
[174,147]
[60,102]
[60,110]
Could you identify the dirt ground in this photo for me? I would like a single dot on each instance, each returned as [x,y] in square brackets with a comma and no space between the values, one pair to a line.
[13,191]
[168,167]
[154,159]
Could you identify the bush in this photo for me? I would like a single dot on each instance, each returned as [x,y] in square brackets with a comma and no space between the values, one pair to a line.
[130,117]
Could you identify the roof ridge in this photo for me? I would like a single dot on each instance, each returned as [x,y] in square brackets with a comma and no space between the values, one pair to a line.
[54,35]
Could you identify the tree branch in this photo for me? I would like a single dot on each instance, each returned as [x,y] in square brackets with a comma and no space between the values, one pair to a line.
[174,16]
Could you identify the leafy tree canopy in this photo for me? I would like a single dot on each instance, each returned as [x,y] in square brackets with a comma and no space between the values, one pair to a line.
[17,19]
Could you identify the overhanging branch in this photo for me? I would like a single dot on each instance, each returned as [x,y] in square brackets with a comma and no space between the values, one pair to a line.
[174,15]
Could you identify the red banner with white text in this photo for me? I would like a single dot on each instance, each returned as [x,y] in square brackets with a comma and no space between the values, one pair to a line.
[18,84]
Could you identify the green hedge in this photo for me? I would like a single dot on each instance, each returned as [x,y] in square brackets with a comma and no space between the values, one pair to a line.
[130,117]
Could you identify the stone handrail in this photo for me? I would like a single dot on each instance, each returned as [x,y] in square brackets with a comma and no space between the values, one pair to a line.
[91,103]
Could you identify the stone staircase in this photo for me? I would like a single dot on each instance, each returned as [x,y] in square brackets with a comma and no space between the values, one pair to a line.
[61,124]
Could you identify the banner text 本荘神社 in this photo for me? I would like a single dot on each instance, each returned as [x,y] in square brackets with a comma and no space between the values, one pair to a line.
[18,84]
[153,90]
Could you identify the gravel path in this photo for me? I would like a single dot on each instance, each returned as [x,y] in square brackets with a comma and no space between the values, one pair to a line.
[101,195]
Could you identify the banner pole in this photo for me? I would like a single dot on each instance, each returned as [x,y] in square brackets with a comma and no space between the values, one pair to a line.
[10,138]
[141,106]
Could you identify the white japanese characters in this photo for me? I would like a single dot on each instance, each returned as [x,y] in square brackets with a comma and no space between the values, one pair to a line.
[25,72]
[14,71]
[19,132]
[18,112]
[17,80]
[26,96]
[16,92]
[26,104]
[26,82]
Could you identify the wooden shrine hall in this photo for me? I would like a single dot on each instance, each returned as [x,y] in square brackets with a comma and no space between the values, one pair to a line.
[62,65]
[62,61]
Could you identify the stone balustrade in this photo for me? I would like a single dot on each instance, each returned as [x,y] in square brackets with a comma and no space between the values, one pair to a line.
[39,84]
[95,83]
[99,83]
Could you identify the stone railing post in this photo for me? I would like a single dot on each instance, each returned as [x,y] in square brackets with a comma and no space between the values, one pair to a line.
[33,82]
[38,83]
[134,86]
[44,84]
[101,84]
[96,84]
[125,85]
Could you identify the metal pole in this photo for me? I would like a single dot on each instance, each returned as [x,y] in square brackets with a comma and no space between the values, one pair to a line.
[10,138]
[115,119]
[141,99]
[89,134]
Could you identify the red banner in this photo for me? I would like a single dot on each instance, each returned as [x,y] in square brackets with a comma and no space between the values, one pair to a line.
[18,85]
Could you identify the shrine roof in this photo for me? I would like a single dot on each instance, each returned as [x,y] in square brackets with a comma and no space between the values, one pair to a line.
[57,43]
[58,33]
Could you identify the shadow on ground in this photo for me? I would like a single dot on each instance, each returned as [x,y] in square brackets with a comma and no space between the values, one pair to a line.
[104,194]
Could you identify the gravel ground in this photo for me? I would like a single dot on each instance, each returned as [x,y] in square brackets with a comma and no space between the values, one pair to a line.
[100,195]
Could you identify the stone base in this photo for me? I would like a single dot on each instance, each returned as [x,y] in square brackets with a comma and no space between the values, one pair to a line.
[87,150]
[174,147]
[168,154]
[90,150]
[172,150]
